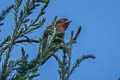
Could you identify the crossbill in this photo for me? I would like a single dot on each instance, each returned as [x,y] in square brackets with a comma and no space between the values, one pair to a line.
[61,26]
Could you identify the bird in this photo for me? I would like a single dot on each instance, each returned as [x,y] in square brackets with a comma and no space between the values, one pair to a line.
[61,26]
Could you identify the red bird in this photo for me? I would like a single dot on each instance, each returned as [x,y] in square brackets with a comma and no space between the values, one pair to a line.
[61,27]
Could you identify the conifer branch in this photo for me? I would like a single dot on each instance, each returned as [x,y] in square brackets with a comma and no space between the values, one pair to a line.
[24,68]
[65,67]
[18,33]
[4,13]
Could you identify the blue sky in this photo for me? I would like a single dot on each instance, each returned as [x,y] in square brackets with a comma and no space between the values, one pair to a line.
[99,36]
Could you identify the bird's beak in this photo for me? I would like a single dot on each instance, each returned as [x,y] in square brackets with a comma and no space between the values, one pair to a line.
[68,21]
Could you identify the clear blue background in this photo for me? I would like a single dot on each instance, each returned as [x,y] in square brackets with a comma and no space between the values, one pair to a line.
[100,21]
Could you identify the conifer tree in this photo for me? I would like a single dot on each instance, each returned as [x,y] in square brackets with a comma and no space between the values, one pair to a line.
[22,68]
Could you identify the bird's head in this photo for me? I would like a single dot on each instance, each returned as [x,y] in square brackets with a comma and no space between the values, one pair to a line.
[63,22]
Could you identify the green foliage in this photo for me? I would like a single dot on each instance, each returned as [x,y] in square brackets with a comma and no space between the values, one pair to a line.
[24,69]
[4,13]
[65,67]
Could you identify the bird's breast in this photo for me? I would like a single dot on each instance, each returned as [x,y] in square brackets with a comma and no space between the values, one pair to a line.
[60,29]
